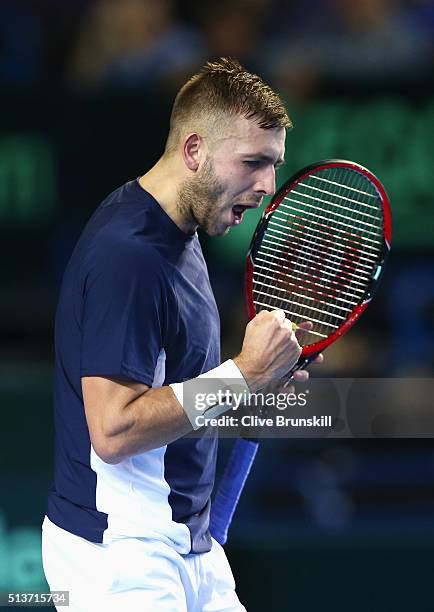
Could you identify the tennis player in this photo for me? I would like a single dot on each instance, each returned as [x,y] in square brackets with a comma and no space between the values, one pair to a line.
[128,513]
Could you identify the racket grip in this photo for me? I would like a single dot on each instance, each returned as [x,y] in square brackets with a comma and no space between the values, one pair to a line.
[231,487]
[302,363]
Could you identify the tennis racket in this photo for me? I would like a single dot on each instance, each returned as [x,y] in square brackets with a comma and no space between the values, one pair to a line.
[317,253]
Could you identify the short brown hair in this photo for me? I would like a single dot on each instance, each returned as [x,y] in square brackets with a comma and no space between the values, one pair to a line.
[225,87]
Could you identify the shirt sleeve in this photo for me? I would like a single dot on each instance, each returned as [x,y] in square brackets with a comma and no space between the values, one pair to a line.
[123,316]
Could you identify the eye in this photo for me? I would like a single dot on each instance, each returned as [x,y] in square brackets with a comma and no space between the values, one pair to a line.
[252,163]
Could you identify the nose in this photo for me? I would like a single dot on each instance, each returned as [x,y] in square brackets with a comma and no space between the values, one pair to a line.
[266,183]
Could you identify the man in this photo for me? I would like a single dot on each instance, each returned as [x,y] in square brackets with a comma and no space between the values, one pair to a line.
[127,519]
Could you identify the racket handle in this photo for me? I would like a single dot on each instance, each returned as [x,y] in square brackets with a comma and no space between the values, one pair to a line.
[302,363]
[231,487]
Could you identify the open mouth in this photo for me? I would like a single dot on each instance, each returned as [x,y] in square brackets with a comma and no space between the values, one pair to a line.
[237,213]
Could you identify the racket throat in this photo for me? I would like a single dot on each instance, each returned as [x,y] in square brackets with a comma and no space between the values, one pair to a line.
[301,364]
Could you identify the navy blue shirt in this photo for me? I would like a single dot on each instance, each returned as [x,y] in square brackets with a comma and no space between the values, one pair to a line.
[135,303]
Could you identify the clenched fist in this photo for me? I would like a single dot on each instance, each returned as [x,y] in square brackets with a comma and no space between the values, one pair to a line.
[270,348]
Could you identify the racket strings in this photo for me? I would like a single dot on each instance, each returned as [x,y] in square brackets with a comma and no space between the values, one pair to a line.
[336,214]
[357,191]
[318,239]
[320,225]
[347,270]
[311,308]
[346,187]
[304,236]
[333,222]
[318,293]
[315,213]
[320,257]
[368,206]
[313,283]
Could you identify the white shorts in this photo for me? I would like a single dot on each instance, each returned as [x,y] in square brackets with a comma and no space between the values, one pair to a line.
[135,574]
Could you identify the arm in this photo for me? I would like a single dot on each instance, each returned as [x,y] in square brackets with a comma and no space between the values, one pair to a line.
[127,418]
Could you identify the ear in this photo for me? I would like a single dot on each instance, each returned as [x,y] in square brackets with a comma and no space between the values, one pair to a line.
[192,150]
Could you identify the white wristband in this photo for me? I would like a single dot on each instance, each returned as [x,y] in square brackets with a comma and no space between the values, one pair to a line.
[211,393]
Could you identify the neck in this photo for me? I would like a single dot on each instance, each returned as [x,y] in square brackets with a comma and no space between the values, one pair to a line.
[163,181]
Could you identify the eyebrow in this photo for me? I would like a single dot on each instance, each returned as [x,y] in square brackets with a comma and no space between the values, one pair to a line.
[264,157]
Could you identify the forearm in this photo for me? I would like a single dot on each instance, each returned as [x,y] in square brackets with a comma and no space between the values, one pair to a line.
[152,420]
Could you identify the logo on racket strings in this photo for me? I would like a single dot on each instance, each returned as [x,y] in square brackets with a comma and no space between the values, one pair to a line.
[322,267]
